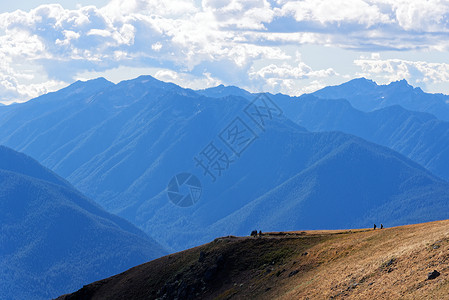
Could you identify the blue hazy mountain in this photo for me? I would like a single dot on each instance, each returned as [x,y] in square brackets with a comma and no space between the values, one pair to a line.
[221,91]
[356,184]
[53,239]
[366,95]
[419,136]
[122,144]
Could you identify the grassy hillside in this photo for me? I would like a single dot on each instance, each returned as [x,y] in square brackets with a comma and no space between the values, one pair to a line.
[391,263]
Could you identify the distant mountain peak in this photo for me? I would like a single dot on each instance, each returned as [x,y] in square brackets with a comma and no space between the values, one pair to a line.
[400,83]
[223,91]
[146,78]
[362,82]
[98,81]
[89,86]
[362,79]
[366,95]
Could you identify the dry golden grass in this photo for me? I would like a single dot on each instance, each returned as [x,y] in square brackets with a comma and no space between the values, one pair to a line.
[391,263]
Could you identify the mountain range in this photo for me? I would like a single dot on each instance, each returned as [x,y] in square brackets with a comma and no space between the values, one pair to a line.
[53,239]
[123,144]
[418,135]
[367,95]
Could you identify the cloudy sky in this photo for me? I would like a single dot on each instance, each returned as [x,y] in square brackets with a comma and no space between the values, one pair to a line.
[261,45]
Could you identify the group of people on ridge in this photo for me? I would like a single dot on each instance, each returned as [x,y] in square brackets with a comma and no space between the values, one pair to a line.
[381,226]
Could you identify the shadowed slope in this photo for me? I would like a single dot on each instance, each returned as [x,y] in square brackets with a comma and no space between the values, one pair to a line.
[53,239]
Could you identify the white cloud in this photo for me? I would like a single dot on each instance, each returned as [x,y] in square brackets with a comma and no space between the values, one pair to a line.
[331,11]
[156,46]
[246,38]
[286,71]
[174,8]
[416,72]
[421,16]
[293,79]
[312,87]
[409,15]
[187,80]
[12,88]
[99,32]
[243,14]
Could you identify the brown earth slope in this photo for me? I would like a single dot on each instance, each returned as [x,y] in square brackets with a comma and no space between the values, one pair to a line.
[392,263]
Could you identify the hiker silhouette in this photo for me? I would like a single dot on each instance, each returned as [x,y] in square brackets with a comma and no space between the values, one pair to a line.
[375,227]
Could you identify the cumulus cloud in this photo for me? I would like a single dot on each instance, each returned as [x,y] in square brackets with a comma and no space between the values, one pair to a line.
[335,11]
[215,37]
[286,71]
[242,14]
[416,72]
[290,78]
[12,87]
[420,16]
[138,32]
[188,80]
[119,9]
[367,24]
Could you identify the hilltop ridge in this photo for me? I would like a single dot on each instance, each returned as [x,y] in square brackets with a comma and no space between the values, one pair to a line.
[391,263]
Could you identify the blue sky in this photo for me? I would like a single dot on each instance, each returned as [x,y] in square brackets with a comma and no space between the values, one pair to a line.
[291,47]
